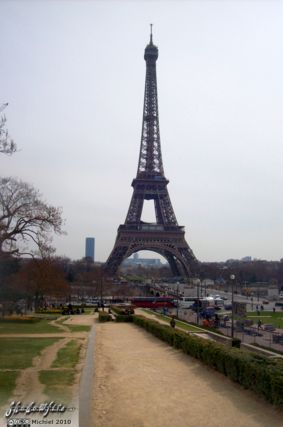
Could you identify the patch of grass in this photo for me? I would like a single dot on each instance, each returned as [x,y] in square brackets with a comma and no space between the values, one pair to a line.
[275,319]
[68,356]
[7,385]
[47,316]
[73,328]
[19,319]
[63,319]
[78,328]
[41,327]
[58,384]
[182,325]
[274,350]
[17,353]
[188,327]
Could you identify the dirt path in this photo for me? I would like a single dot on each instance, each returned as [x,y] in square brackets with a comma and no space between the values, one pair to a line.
[142,382]
[59,325]
[28,386]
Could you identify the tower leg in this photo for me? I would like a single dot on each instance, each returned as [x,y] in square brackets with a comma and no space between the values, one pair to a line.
[173,264]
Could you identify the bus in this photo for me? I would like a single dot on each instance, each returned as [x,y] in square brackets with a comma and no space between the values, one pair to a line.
[186,302]
[153,302]
[191,302]
[203,303]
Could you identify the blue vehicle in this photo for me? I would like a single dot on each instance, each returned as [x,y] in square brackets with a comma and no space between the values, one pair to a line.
[208,312]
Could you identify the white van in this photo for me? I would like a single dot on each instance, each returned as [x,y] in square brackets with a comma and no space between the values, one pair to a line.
[187,302]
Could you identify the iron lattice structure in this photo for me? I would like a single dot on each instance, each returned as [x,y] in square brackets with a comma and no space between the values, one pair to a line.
[164,236]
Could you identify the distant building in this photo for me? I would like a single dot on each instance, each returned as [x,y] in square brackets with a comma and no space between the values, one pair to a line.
[89,247]
[246,259]
[144,262]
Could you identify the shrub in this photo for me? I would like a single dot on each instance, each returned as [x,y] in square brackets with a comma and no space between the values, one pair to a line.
[19,319]
[124,318]
[236,342]
[123,310]
[123,313]
[103,316]
[255,372]
[49,311]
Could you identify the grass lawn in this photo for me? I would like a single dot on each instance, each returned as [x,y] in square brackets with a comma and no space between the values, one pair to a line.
[181,325]
[58,384]
[73,328]
[68,356]
[41,327]
[275,319]
[7,384]
[78,328]
[17,353]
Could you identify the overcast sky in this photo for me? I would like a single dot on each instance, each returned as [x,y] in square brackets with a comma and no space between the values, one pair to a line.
[73,73]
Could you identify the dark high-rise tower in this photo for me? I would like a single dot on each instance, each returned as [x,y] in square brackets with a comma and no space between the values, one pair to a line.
[164,236]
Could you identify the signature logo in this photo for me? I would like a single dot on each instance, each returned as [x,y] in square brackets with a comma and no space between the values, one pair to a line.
[41,408]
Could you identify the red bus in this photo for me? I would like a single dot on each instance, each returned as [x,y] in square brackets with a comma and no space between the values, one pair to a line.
[153,302]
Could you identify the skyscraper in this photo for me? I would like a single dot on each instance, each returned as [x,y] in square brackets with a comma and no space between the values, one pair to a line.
[89,247]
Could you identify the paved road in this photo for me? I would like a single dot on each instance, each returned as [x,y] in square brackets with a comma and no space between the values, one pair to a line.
[265,339]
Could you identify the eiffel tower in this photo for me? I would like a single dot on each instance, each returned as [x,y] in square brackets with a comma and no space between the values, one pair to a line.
[164,236]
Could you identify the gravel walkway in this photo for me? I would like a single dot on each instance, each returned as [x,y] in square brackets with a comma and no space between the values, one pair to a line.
[142,382]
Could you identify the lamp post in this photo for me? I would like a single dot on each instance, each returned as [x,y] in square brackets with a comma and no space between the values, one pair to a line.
[178,300]
[232,277]
[101,290]
[198,284]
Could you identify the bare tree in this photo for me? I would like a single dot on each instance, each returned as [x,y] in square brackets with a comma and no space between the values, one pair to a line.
[7,145]
[25,219]
[42,278]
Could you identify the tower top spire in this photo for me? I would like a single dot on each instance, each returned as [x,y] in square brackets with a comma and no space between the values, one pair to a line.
[151,51]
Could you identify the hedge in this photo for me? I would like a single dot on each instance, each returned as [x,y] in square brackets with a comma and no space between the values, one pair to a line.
[255,372]
[103,316]
[22,319]
[122,313]
[124,318]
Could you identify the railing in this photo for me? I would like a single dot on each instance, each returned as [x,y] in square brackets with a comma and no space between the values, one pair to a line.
[151,227]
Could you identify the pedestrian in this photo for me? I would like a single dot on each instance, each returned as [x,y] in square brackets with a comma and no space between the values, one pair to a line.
[172,322]
[259,324]
[216,321]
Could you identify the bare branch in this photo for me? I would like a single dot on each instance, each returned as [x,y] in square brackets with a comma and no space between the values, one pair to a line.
[26,218]
[7,145]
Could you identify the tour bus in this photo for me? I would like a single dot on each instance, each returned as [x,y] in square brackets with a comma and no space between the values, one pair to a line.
[203,303]
[216,302]
[153,302]
[191,302]
[186,302]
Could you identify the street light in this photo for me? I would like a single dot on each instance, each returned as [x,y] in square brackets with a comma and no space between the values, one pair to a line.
[177,300]
[198,284]
[232,277]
